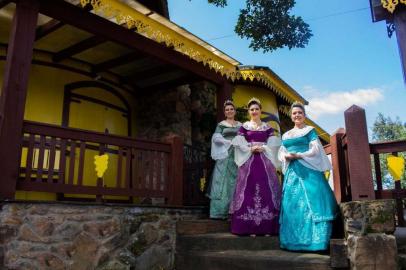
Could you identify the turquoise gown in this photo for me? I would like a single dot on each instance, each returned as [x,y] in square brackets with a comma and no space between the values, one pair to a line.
[308,204]
[225,170]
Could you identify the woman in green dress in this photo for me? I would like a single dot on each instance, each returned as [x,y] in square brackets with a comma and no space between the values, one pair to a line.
[225,170]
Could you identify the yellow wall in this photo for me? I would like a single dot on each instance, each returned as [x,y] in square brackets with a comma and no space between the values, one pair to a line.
[44,103]
[243,93]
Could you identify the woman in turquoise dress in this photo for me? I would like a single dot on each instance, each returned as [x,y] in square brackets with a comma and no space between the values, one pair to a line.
[308,205]
[225,169]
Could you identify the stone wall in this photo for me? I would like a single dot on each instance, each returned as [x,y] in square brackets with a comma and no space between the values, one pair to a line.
[369,227]
[163,113]
[188,111]
[203,98]
[76,236]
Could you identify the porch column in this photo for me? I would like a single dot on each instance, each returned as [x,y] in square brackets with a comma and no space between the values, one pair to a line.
[400,29]
[359,154]
[224,92]
[338,162]
[14,92]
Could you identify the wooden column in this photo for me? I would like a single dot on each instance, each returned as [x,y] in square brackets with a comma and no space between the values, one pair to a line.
[175,188]
[338,162]
[400,29]
[14,92]
[224,92]
[359,157]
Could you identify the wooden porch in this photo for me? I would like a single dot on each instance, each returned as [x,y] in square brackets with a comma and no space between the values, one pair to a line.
[52,158]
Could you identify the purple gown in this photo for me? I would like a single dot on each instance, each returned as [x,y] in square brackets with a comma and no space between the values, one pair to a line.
[256,202]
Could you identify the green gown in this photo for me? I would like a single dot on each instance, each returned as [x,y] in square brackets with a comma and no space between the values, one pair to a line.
[225,170]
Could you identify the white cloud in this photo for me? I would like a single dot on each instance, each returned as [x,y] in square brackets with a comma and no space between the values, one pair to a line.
[337,102]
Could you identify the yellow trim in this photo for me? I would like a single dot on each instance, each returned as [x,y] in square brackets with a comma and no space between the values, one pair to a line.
[390,5]
[150,27]
[155,27]
[273,82]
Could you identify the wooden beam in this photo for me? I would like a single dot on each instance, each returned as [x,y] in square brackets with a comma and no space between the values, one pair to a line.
[70,14]
[188,79]
[359,155]
[224,92]
[53,25]
[4,3]
[78,48]
[400,26]
[150,72]
[115,62]
[47,28]
[339,169]
[14,92]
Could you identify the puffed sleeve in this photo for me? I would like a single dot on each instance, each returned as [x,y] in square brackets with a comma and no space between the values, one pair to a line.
[242,150]
[271,148]
[315,158]
[219,145]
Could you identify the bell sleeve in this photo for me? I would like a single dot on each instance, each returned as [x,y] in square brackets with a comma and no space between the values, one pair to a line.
[271,149]
[315,158]
[242,149]
[219,145]
[282,158]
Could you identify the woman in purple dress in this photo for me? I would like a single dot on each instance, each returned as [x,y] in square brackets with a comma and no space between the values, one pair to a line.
[256,202]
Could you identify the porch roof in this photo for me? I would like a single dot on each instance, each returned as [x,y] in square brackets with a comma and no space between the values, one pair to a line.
[124,40]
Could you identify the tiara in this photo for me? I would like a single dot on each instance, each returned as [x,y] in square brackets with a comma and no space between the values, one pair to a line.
[228,102]
[254,99]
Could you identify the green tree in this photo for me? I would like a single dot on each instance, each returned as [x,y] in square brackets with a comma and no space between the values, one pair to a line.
[386,129]
[270,25]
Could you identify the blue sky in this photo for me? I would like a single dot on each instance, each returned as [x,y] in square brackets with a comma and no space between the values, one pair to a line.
[348,60]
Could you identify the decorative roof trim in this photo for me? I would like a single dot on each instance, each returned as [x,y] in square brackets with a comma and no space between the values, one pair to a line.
[390,5]
[158,28]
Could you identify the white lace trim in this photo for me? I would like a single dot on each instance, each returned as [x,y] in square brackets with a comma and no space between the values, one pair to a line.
[249,125]
[297,132]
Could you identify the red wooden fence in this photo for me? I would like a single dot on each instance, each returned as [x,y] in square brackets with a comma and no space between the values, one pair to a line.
[54,161]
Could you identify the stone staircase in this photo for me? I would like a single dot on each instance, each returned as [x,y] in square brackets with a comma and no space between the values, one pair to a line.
[208,245]
[400,235]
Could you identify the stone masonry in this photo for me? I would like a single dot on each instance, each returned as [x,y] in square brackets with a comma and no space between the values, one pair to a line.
[76,236]
[369,228]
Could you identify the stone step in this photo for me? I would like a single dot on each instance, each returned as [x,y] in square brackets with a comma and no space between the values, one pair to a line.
[225,241]
[190,227]
[402,261]
[248,259]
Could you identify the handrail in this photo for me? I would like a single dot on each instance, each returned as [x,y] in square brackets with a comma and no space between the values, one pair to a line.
[387,147]
[93,136]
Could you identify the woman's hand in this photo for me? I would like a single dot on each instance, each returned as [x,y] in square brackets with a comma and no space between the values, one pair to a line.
[257,149]
[292,156]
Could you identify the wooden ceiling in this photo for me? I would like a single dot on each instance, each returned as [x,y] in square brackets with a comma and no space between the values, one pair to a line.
[135,69]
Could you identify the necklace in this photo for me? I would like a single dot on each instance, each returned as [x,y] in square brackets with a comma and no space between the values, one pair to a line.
[256,125]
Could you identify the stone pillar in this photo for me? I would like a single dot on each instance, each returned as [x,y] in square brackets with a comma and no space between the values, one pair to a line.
[369,228]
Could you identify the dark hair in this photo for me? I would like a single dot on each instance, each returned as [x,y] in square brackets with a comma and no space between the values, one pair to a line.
[254,102]
[297,104]
[228,102]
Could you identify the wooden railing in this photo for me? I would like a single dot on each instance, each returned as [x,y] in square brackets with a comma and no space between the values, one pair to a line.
[61,160]
[394,148]
[197,172]
[354,161]
[337,149]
